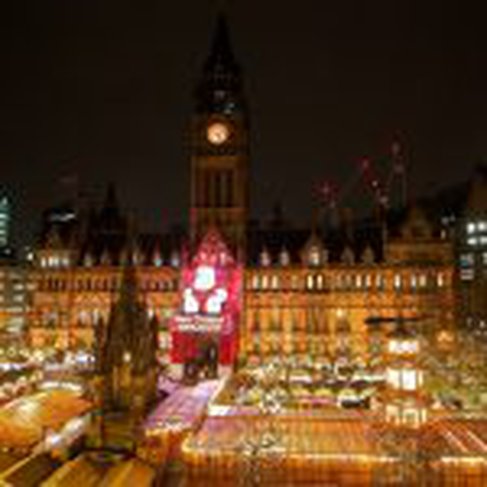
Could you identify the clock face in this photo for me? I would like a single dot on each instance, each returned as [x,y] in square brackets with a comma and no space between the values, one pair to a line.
[217,133]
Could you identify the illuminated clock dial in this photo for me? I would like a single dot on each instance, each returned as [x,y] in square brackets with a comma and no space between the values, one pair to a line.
[217,133]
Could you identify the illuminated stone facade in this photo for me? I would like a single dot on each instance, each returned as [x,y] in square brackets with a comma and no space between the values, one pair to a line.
[307,307]
[319,309]
[305,293]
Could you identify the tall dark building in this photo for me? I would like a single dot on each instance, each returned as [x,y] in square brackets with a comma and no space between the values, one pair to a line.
[126,362]
[4,222]
[471,246]
[219,145]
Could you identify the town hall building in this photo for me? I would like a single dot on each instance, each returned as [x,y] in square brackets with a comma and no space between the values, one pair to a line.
[228,293]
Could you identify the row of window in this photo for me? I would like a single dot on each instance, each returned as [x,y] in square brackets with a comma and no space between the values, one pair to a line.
[469,263]
[266,282]
[476,227]
[346,282]
[86,317]
[316,257]
[480,241]
[274,348]
[62,261]
[54,261]
[16,298]
[309,328]
[215,188]
[103,284]
[16,286]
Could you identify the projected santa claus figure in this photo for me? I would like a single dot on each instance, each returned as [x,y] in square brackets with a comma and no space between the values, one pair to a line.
[205,331]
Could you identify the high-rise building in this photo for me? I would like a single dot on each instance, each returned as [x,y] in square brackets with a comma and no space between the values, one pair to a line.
[471,246]
[15,295]
[4,222]
[461,212]
[15,283]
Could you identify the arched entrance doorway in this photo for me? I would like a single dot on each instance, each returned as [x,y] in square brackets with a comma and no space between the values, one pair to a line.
[205,364]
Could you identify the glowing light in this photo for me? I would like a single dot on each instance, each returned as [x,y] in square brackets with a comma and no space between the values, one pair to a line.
[210,302]
[53,439]
[75,425]
[397,281]
[393,378]
[28,406]
[403,346]
[465,460]
[409,380]
[265,258]
[190,303]
[284,258]
[217,133]
[216,300]
[205,278]
[404,379]
[314,256]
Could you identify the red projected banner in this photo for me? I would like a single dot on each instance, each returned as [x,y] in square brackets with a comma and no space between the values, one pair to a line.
[210,307]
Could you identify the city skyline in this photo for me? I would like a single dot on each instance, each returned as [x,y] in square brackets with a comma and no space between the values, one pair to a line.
[318,318]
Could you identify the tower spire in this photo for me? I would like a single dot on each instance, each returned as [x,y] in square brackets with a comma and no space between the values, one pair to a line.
[220,144]
[220,86]
[221,57]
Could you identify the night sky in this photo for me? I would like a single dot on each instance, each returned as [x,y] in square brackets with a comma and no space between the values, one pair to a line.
[95,91]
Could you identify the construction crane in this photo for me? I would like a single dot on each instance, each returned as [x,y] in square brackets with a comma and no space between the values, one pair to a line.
[367,177]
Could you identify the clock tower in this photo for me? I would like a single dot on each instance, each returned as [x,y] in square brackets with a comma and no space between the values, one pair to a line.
[219,147]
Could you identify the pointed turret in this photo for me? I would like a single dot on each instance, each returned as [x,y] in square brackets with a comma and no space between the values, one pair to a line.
[221,58]
[129,337]
[220,88]
[109,219]
[111,200]
[128,350]
[126,366]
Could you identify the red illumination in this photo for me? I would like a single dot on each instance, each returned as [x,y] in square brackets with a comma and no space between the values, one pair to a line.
[210,303]
[365,163]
